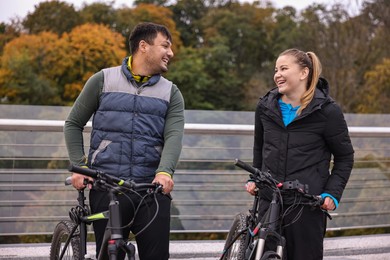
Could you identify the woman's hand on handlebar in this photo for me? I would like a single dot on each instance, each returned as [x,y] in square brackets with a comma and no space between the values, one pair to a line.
[251,187]
[78,181]
[166,181]
[328,204]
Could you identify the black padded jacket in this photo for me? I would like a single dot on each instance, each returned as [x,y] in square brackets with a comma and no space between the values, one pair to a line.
[303,149]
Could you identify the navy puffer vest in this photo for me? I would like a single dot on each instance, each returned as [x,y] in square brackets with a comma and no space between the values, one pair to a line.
[128,127]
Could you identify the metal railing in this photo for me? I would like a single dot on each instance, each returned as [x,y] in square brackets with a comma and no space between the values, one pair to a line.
[208,189]
[202,129]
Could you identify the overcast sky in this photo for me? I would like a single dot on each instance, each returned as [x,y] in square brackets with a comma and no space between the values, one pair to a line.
[20,8]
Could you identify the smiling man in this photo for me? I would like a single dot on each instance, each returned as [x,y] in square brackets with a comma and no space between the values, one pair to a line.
[138,125]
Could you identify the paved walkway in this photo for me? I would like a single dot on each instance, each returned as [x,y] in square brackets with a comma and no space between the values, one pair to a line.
[371,247]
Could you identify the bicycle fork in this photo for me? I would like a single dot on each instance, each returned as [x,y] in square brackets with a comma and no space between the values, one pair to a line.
[116,242]
[271,231]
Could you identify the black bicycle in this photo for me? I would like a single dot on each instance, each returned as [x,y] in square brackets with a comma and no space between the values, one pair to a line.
[70,236]
[254,238]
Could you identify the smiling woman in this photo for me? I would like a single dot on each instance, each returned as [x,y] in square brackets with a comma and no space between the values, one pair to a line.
[298,128]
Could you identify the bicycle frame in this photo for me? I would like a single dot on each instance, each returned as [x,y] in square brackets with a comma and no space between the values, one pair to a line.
[81,223]
[264,233]
[80,217]
[259,230]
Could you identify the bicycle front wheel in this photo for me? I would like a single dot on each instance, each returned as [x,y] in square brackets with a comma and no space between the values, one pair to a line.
[235,246]
[270,255]
[61,233]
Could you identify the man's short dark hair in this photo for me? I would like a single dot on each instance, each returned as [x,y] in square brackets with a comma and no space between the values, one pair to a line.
[147,32]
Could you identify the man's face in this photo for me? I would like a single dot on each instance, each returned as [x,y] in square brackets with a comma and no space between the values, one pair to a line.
[158,55]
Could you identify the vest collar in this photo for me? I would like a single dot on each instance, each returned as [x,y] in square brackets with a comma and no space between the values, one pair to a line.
[152,81]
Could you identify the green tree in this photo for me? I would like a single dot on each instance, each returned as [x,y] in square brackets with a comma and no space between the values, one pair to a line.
[152,2]
[347,46]
[283,35]
[188,15]
[99,13]
[125,23]
[224,91]
[189,74]
[237,38]
[54,16]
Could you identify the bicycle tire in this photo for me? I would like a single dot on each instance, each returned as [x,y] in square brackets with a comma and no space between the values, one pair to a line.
[270,255]
[238,248]
[61,233]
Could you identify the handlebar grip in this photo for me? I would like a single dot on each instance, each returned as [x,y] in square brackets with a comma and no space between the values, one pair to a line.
[245,166]
[68,181]
[83,171]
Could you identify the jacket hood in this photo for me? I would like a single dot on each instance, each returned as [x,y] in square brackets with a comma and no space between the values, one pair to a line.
[323,85]
[321,93]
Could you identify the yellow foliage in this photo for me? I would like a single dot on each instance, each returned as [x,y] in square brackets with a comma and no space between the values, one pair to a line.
[72,90]
[376,91]
[58,66]
[160,15]
[32,48]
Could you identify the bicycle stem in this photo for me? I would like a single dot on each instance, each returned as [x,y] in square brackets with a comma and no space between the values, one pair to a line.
[115,218]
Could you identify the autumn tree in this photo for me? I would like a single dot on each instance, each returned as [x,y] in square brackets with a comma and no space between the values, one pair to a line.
[54,16]
[160,15]
[47,70]
[224,49]
[128,18]
[24,73]
[375,94]
[9,32]
[87,49]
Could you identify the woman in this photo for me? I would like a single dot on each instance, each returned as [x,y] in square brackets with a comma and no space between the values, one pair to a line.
[298,127]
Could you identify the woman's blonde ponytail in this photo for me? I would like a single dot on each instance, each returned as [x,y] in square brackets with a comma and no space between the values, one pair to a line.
[314,74]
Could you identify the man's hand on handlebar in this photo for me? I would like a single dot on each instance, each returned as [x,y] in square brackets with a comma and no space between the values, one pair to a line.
[251,187]
[166,181]
[79,183]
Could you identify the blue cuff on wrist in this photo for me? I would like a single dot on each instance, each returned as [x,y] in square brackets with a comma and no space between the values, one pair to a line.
[336,203]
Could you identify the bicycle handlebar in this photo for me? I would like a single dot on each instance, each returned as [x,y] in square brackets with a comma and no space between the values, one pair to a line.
[245,166]
[110,179]
[266,178]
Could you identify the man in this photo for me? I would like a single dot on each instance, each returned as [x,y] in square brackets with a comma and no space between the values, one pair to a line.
[138,125]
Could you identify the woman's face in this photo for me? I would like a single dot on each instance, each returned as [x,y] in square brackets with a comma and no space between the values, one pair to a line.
[289,77]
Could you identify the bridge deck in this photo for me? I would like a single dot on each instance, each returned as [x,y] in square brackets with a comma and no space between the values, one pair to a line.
[373,247]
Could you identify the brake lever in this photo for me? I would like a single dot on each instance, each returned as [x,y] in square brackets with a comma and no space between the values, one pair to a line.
[321,202]
[158,189]
[327,214]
